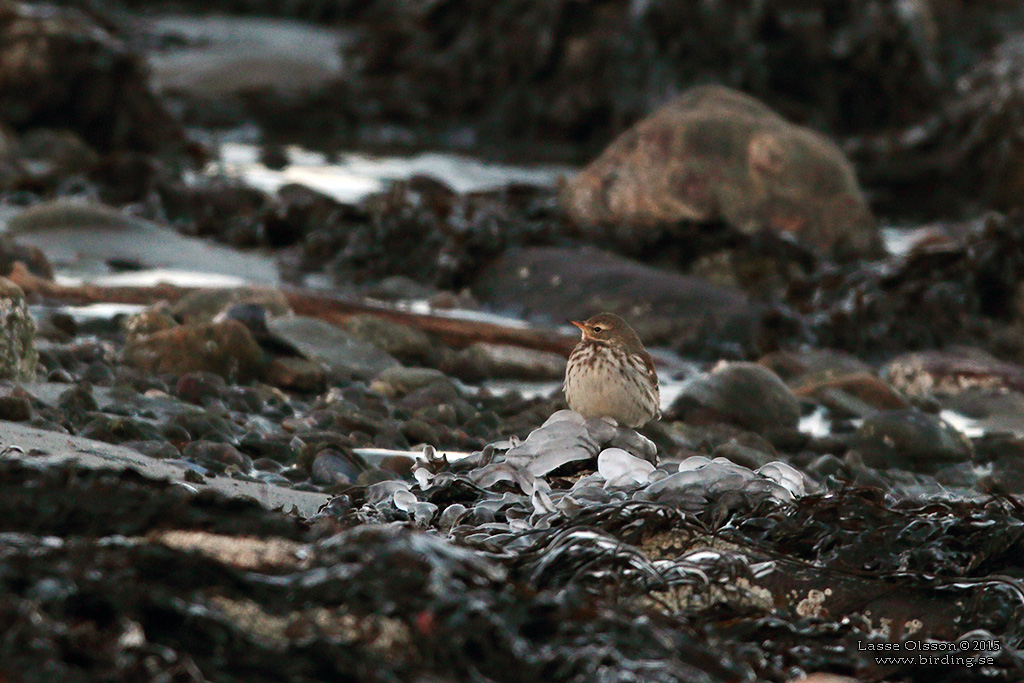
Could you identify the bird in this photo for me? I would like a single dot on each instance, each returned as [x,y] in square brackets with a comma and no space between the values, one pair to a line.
[609,374]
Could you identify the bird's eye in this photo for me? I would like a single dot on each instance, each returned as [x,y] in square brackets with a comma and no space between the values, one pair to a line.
[598,328]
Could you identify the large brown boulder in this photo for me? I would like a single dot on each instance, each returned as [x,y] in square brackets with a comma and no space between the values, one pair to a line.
[60,69]
[714,154]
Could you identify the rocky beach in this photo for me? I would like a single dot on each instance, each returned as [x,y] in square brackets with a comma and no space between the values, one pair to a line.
[285,292]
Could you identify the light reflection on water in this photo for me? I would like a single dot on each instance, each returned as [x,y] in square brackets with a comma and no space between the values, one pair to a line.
[151,278]
[353,176]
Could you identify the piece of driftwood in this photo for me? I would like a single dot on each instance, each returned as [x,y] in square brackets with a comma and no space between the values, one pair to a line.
[457,332]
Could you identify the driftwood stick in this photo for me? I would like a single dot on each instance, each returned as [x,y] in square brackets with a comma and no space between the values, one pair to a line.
[93,294]
[457,332]
[453,331]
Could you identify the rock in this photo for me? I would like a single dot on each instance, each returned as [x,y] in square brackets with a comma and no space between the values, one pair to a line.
[274,448]
[405,343]
[296,374]
[714,154]
[217,456]
[203,305]
[705,438]
[153,319]
[15,408]
[483,360]
[18,355]
[909,439]
[160,450]
[558,284]
[78,400]
[204,425]
[226,349]
[99,373]
[418,431]
[735,452]
[952,371]
[745,394]
[117,429]
[254,317]
[332,467]
[330,345]
[55,154]
[65,69]
[985,410]
[196,387]
[33,258]
[400,380]
[440,392]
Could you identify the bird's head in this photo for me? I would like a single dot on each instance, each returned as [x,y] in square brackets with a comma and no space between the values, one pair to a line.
[606,327]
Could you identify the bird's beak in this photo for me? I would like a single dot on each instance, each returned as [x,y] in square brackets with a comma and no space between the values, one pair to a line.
[578,324]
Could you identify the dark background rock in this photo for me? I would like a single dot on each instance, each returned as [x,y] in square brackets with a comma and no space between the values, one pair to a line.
[959,292]
[910,439]
[62,70]
[580,72]
[557,284]
[565,77]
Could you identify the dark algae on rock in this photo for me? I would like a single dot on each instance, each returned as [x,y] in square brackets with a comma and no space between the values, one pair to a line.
[343,454]
[111,575]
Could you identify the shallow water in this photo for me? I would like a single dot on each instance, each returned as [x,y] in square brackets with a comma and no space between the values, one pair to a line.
[87,242]
[219,55]
[352,176]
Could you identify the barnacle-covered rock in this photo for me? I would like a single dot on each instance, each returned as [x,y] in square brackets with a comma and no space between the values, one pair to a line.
[18,355]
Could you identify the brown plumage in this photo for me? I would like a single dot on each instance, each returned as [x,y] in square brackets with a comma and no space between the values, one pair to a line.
[610,374]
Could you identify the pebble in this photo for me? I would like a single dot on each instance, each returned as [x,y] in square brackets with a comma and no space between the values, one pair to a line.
[744,394]
[217,456]
[909,439]
[197,387]
[328,344]
[15,408]
[400,380]
[296,374]
[332,468]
